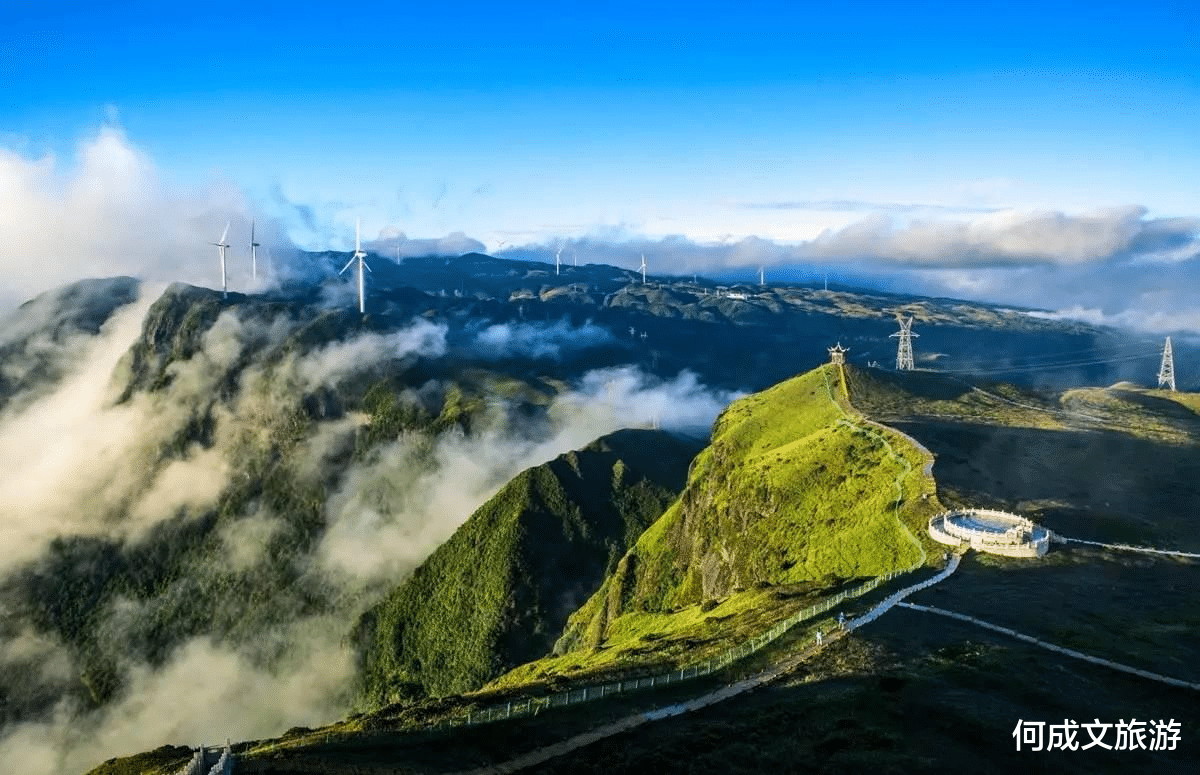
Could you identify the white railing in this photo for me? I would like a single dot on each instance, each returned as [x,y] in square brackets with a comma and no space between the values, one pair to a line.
[196,765]
[223,766]
[540,755]
[534,705]
[1024,539]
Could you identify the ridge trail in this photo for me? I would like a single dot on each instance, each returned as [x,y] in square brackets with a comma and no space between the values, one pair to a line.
[637,719]
[1052,647]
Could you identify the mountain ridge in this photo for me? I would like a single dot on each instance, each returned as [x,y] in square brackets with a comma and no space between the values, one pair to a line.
[497,593]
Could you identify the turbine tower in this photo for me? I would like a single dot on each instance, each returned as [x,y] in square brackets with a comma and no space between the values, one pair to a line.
[643,268]
[761,281]
[358,256]
[253,254]
[557,263]
[1166,372]
[904,355]
[221,245]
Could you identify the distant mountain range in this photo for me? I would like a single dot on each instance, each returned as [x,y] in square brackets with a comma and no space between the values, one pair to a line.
[276,478]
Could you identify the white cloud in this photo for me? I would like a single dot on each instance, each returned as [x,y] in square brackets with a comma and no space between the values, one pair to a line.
[384,520]
[537,340]
[1009,239]
[1162,320]
[339,359]
[107,213]
[73,463]
[204,694]
[453,244]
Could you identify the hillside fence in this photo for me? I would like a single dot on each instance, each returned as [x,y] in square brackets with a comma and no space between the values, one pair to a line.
[534,705]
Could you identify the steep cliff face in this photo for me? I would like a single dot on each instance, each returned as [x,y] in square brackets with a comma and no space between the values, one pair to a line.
[788,491]
[498,593]
[40,339]
[204,473]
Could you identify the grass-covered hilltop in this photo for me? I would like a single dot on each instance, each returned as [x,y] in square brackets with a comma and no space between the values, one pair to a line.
[790,491]
[383,513]
[499,591]
[799,494]
[654,562]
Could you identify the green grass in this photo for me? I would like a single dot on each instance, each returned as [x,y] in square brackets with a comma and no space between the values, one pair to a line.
[166,760]
[887,396]
[1160,415]
[498,592]
[791,499]
[788,491]
[641,640]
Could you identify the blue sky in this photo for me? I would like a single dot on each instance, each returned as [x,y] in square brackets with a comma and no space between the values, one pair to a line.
[582,114]
[522,123]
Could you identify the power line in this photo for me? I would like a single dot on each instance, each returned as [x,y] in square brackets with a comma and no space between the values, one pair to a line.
[1051,366]
[1112,350]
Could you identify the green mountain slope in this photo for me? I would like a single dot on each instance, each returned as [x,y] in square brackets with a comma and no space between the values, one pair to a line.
[794,471]
[39,339]
[499,591]
[791,491]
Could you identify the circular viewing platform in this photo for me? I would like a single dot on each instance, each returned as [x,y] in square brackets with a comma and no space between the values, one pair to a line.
[994,532]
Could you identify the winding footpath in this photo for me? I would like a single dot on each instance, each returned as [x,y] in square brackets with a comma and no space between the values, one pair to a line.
[1052,647]
[775,671]
[1126,547]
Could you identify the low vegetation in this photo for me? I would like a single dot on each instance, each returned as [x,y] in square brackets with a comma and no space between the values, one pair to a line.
[498,592]
[789,491]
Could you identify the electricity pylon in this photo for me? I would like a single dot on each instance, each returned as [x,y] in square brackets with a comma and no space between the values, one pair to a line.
[1166,372]
[904,355]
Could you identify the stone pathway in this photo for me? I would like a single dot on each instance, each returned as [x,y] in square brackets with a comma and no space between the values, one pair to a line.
[635,720]
[1059,649]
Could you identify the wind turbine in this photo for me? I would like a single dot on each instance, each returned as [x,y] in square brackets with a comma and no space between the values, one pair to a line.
[643,268]
[358,256]
[253,254]
[556,261]
[575,255]
[760,276]
[221,245]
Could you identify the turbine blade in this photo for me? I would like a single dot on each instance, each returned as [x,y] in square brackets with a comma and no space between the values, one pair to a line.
[252,233]
[347,266]
[366,266]
[225,233]
[357,225]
